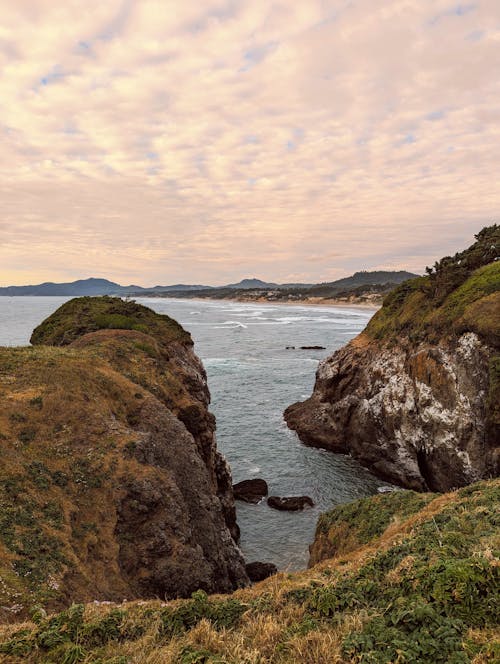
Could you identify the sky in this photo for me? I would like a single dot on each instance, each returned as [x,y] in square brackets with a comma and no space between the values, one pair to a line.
[158,141]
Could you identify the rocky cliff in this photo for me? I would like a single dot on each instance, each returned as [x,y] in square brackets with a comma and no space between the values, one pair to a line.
[416,396]
[111,485]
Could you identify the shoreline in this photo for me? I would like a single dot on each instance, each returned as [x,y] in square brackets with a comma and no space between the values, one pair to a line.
[300,303]
[327,302]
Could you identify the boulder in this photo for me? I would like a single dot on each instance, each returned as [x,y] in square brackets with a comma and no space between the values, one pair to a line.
[250,491]
[290,503]
[258,571]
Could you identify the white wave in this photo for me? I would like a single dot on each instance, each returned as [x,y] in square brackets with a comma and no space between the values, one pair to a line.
[229,324]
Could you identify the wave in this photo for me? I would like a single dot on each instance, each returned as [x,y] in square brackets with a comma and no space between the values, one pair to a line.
[229,324]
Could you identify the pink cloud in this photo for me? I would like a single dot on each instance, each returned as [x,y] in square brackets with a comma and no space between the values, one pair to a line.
[125,145]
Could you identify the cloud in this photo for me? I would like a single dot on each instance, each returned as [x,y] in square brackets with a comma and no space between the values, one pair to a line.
[154,142]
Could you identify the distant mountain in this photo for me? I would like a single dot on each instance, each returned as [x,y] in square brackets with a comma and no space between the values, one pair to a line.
[251,283]
[75,288]
[177,287]
[365,278]
[94,286]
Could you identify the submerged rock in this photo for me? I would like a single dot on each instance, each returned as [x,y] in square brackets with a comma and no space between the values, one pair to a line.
[416,396]
[250,491]
[258,571]
[290,503]
[110,476]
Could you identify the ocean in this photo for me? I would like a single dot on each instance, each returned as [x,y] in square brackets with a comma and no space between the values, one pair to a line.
[253,377]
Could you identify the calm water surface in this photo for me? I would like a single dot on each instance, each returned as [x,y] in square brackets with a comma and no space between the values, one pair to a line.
[252,379]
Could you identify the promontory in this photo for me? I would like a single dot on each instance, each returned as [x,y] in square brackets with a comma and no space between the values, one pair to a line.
[111,485]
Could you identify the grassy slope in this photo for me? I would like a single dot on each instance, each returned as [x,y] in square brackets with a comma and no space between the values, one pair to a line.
[53,497]
[471,306]
[461,293]
[418,582]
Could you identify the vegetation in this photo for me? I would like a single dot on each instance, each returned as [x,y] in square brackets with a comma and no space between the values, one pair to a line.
[349,526]
[68,437]
[419,583]
[460,293]
[89,314]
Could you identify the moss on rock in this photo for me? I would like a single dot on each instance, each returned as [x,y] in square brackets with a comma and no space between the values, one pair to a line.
[89,314]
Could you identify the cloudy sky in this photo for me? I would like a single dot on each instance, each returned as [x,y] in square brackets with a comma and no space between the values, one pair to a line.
[158,141]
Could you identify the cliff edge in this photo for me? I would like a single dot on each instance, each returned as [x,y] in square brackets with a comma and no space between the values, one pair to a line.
[111,485]
[416,396]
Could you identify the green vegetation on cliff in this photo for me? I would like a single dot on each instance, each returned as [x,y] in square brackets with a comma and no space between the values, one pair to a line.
[350,526]
[89,314]
[419,582]
[459,294]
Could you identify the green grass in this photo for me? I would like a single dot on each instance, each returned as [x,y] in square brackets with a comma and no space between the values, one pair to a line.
[89,314]
[349,526]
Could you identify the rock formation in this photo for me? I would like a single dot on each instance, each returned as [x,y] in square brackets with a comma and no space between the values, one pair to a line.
[250,491]
[290,503]
[111,485]
[258,571]
[416,396]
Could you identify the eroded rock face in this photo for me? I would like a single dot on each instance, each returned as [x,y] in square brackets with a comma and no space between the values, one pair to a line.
[110,479]
[413,413]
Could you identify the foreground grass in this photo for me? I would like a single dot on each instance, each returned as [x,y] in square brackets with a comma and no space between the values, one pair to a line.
[421,584]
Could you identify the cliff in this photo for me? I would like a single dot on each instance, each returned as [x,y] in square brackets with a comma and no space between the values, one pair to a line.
[402,577]
[416,396]
[111,485]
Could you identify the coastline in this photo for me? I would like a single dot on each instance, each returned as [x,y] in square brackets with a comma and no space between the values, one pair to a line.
[329,302]
[310,302]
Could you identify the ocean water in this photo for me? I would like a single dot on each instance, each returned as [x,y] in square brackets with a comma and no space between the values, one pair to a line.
[253,377]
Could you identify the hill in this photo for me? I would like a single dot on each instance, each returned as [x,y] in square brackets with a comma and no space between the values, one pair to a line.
[365,278]
[245,284]
[75,288]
